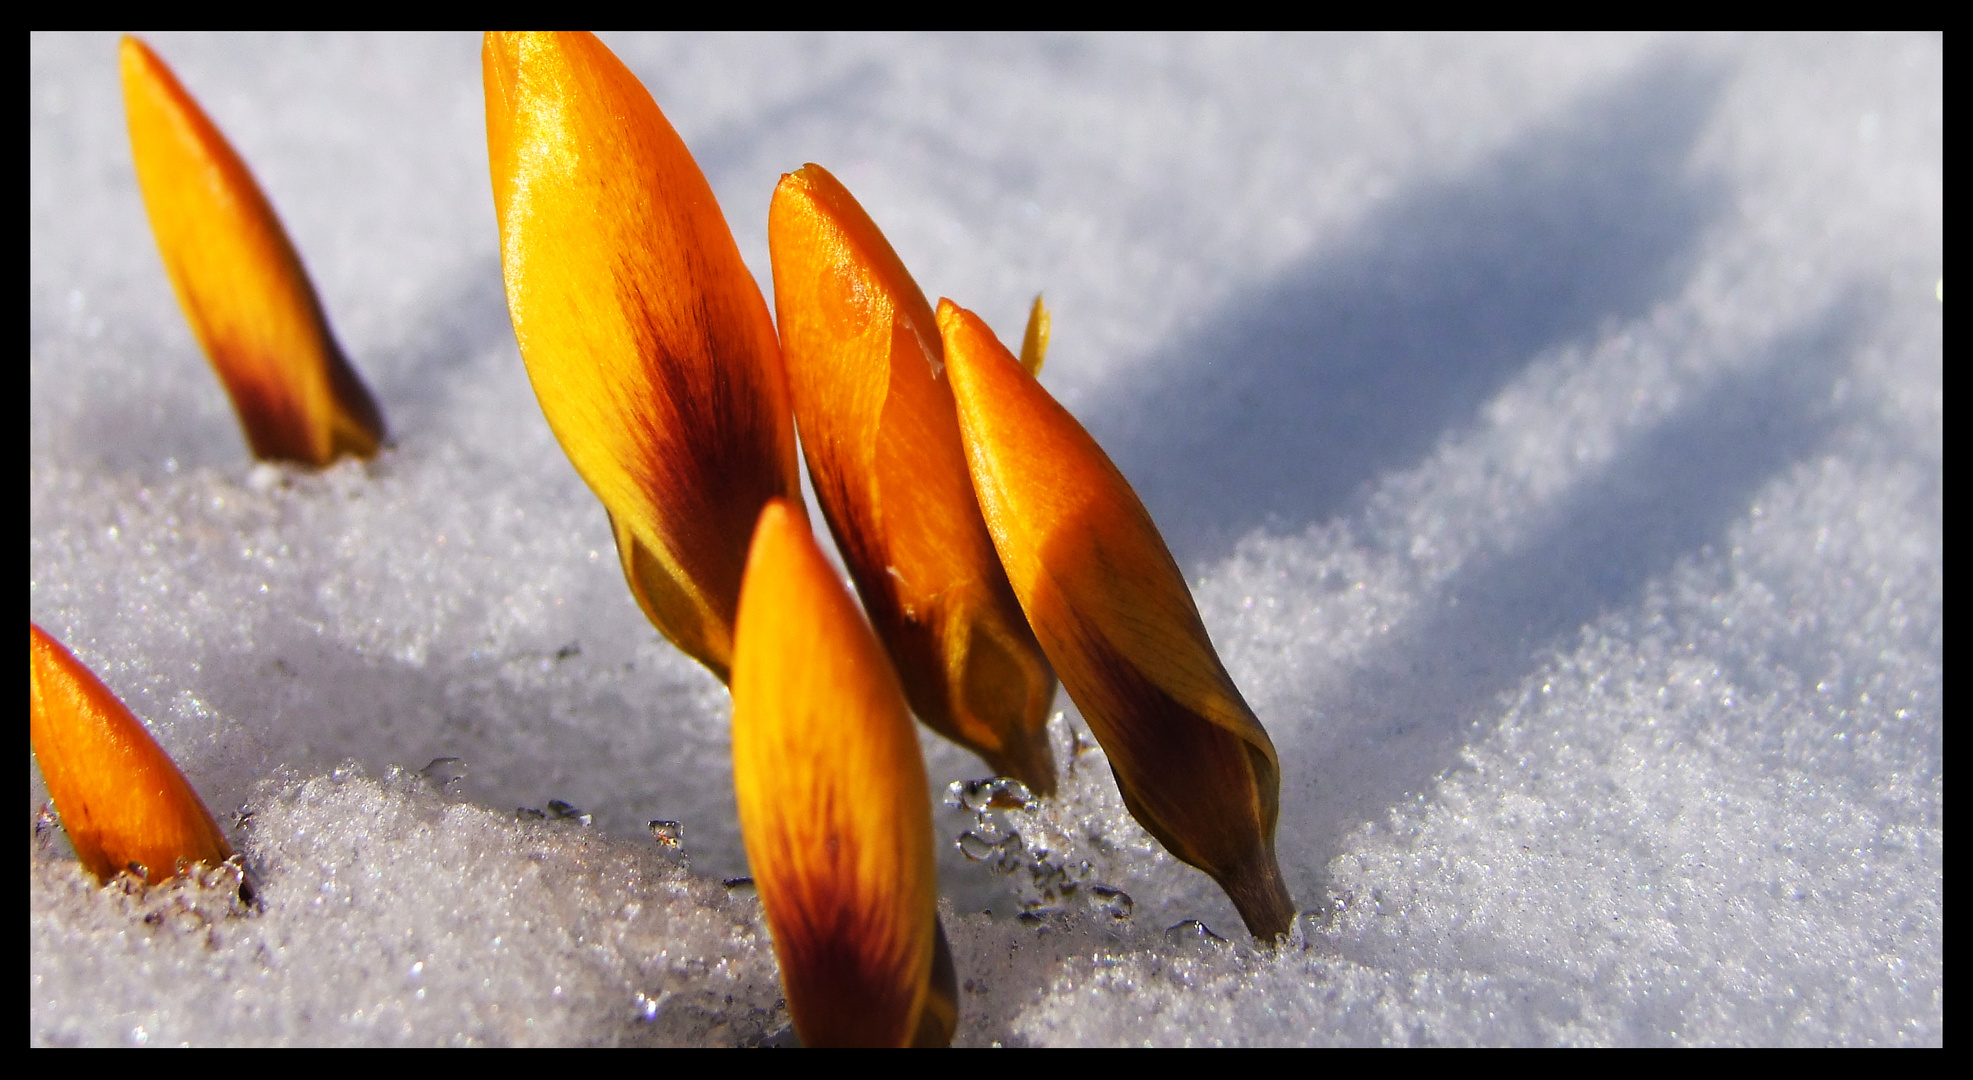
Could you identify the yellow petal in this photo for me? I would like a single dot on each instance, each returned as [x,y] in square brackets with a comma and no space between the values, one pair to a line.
[1111,609]
[646,339]
[861,349]
[832,796]
[239,280]
[1034,343]
[123,803]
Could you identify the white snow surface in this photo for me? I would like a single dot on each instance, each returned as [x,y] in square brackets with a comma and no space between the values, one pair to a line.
[1551,428]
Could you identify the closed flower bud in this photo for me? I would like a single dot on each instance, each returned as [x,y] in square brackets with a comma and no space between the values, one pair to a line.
[123,803]
[646,339]
[1111,609]
[239,281]
[862,354]
[833,805]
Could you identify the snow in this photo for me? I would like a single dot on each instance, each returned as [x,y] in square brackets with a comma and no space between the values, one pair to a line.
[1552,428]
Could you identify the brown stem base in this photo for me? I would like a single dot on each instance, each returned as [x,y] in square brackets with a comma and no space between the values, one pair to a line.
[1261,897]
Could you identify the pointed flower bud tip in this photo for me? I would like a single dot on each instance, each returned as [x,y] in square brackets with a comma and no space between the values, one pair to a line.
[832,799]
[1034,343]
[239,280]
[1111,610]
[862,352]
[122,801]
[647,341]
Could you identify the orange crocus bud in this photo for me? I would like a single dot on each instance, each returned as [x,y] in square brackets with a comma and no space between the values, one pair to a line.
[124,804]
[647,340]
[862,353]
[833,804]
[239,280]
[1111,609]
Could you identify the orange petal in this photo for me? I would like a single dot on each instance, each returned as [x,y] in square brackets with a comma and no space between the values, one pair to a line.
[647,340]
[878,429]
[1112,611]
[123,803]
[239,280]
[833,800]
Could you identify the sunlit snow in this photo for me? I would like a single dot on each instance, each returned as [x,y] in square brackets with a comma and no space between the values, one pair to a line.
[1551,429]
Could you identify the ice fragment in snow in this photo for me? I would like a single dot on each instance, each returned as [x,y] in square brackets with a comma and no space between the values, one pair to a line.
[562,811]
[670,836]
[444,774]
[1105,902]
[1194,936]
[994,792]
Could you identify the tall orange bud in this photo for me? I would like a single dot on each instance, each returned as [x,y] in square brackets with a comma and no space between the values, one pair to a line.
[648,343]
[239,280]
[123,803]
[863,359]
[833,804]
[1112,611]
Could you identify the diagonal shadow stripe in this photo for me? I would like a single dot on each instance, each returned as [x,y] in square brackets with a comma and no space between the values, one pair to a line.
[1402,720]
[1355,362]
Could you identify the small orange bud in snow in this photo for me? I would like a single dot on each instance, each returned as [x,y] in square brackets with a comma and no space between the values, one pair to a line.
[123,803]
